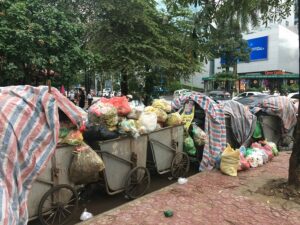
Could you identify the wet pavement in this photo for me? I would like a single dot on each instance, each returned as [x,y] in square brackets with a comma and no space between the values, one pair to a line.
[210,198]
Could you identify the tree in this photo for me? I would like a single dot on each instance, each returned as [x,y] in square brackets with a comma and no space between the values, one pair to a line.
[38,40]
[140,43]
[245,12]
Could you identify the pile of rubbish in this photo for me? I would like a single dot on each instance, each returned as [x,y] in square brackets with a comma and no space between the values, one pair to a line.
[258,154]
[110,118]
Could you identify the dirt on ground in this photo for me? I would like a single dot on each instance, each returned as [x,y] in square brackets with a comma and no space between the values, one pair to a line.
[275,192]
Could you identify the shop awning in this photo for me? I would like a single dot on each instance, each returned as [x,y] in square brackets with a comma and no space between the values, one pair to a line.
[274,76]
[259,76]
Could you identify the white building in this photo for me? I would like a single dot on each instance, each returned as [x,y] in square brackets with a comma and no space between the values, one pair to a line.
[275,51]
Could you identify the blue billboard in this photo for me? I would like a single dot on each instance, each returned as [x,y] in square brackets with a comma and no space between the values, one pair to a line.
[259,48]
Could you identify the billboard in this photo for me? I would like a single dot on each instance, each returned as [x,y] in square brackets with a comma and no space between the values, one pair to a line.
[259,48]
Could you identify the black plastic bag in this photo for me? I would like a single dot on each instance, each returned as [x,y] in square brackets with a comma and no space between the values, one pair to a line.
[99,133]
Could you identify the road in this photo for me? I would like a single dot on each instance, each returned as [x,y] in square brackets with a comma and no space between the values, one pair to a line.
[99,201]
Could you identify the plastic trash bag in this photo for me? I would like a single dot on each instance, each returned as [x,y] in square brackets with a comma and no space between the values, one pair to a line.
[103,114]
[174,119]
[257,131]
[162,104]
[199,136]
[98,133]
[128,127]
[189,146]
[274,148]
[255,159]
[120,103]
[85,215]
[86,165]
[135,113]
[161,114]
[243,163]
[148,121]
[230,161]
[74,137]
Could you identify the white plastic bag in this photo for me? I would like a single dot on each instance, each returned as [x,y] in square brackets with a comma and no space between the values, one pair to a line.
[85,215]
[148,120]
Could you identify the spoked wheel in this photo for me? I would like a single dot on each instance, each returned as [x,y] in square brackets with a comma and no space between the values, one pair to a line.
[180,165]
[137,182]
[58,205]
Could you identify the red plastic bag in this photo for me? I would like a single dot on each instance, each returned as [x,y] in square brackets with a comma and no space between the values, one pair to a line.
[243,163]
[120,103]
[268,150]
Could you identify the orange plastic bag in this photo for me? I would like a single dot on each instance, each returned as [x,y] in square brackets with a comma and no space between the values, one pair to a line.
[120,103]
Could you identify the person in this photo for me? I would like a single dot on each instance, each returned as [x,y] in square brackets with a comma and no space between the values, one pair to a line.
[81,98]
[90,99]
[72,97]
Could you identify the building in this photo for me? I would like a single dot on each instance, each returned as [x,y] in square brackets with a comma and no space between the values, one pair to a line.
[274,62]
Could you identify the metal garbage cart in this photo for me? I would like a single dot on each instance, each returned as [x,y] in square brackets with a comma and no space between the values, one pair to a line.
[272,131]
[165,151]
[53,198]
[125,165]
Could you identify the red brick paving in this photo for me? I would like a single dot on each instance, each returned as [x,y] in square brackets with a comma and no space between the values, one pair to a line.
[208,198]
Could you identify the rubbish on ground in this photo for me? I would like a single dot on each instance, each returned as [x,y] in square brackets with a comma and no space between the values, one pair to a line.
[168,213]
[230,161]
[85,215]
[182,180]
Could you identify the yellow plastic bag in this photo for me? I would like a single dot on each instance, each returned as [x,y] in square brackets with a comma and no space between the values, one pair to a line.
[230,161]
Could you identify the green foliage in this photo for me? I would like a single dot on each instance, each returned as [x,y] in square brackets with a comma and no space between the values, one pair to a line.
[35,39]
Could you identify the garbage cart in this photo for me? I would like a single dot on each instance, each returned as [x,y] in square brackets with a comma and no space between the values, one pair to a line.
[125,165]
[53,198]
[165,151]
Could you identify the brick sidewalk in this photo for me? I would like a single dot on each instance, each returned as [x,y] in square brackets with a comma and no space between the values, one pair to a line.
[210,198]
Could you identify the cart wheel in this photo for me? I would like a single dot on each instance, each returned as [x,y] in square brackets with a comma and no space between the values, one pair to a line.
[53,210]
[137,182]
[180,165]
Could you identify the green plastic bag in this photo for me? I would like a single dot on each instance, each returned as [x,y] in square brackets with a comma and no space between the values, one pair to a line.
[189,146]
[258,131]
[249,151]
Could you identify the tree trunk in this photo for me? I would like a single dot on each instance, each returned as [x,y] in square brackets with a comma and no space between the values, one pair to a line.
[294,167]
[124,82]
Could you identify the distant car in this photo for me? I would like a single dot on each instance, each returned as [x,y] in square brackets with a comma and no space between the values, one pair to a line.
[181,92]
[219,95]
[247,94]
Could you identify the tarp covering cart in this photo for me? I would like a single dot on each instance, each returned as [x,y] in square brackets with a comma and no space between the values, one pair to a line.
[28,138]
[240,123]
[277,115]
[214,127]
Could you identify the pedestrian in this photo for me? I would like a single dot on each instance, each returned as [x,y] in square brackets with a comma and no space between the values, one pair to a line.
[72,97]
[90,99]
[81,98]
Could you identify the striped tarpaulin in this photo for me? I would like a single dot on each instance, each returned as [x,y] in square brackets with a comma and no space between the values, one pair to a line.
[242,121]
[29,129]
[279,106]
[214,127]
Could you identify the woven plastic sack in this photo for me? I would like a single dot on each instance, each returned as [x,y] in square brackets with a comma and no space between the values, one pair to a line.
[120,103]
[230,161]
[162,104]
[86,165]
